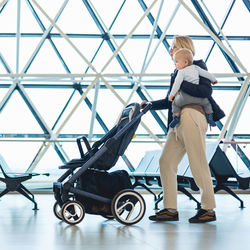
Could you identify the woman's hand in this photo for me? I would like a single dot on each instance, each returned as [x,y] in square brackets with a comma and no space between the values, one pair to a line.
[142,104]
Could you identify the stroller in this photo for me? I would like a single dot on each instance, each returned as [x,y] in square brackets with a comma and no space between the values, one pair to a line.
[88,187]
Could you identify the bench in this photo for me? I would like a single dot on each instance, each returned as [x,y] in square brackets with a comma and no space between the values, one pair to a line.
[13,181]
[226,175]
[223,173]
[147,174]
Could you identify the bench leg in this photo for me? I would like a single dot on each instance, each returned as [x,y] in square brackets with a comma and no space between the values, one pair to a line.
[5,191]
[184,191]
[136,184]
[26,190]
[159,199]
[228,190]
[22,191]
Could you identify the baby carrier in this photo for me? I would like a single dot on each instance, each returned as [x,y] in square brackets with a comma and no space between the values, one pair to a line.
[88,187]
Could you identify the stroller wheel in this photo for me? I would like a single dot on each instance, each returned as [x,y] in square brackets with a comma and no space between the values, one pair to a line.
[128,207]
[73,212]
[108,217]
[57,211]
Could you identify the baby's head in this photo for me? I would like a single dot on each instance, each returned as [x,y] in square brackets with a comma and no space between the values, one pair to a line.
[183,58]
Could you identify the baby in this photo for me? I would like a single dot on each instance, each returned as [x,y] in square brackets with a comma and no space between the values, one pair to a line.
[189,72]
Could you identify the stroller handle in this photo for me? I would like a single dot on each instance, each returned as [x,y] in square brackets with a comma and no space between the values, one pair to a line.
[146,107]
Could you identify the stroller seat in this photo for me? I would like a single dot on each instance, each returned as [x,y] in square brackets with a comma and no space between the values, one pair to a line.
[73,164]
[72,190]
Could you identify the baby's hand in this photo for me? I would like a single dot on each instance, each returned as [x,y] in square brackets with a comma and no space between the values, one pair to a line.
[170,98]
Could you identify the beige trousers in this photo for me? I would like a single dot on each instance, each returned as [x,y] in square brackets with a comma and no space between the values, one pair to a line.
[190,137]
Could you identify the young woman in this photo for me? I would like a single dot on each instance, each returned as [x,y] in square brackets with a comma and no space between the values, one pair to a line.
[189,137]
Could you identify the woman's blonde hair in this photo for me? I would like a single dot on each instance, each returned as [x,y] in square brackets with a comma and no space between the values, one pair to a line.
[184,42]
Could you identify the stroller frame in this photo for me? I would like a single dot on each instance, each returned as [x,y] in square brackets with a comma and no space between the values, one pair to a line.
[68,209]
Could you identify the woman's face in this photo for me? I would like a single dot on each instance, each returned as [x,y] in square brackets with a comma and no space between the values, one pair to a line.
[172,50]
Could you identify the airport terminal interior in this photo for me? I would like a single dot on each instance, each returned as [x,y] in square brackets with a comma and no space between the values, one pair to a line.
[79,154]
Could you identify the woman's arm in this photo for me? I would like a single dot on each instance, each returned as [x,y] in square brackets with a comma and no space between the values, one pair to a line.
[161,104]
[203,89]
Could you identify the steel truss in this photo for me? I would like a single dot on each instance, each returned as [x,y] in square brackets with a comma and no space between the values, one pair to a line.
[139,83]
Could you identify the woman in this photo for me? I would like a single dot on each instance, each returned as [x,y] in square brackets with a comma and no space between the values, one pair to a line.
[189,137]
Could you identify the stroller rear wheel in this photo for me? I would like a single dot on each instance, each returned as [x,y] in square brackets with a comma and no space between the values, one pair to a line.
[128,207]
[57,211]
[73,212]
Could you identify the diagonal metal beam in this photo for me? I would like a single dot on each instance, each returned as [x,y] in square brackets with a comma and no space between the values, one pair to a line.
[221,27]
[238,112]
[78,51]
[123,102]
[3,4]
[152,21]
[103,29]
[236,104]
[5,64]
[228,56]
[98,117]
[57,146]
[7,96]
[104,34]
[114,55]
[44,148]
[63,110]
[247,3]
[12,88]
[161,36]
[33,110]
[46,35]
[222,33]
[143,68]
[156,116]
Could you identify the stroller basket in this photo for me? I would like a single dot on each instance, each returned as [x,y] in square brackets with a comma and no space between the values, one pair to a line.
[88,187]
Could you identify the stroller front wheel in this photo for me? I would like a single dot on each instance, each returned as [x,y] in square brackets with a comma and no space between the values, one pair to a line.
[73,212]
[128,207]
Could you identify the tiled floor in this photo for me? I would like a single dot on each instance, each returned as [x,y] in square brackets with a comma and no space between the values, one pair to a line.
[23,229]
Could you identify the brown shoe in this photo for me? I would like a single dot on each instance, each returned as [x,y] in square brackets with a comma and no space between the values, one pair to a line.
[203,216]
[165,215]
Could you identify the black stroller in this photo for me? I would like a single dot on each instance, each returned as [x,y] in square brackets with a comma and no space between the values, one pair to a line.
[88,187]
